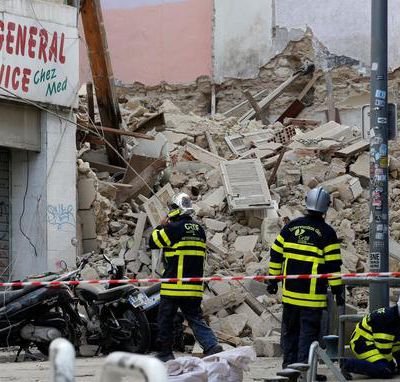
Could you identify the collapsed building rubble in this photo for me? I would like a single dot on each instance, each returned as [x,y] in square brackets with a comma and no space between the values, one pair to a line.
[247,179]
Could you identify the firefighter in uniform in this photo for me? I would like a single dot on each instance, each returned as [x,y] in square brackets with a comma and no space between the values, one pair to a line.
[375,343]
[184,243]
[307,245]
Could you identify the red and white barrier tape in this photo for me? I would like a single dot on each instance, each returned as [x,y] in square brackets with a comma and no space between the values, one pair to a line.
[200,279]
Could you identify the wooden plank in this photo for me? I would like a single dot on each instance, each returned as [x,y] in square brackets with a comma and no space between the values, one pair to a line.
[257,109]
[100,64]
[353,149]
[114,131]
[264,103]
[137,237]
[272,177]
[234,109]
[211,143]
[106,167]
[297,106]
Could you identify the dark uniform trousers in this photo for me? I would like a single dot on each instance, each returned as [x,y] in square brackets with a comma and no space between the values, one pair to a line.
[296,320]
[306,246]
[192,312]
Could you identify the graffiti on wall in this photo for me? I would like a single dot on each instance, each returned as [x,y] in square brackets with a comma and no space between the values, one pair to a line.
[60,215]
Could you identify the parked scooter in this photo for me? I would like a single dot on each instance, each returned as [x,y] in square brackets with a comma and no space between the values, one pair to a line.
[37,315]
[121,317]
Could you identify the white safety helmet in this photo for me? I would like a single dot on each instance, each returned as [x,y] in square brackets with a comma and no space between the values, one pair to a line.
[180,205]
[318,200]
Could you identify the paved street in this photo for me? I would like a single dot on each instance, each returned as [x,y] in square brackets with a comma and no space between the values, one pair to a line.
[89,369]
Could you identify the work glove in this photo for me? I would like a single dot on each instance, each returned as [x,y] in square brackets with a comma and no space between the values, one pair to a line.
[272,286]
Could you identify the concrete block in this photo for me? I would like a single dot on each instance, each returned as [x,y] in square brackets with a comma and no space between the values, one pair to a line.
[246,243]
[267,346]
[214,225]
[215,198]
[233,325]
[361,170]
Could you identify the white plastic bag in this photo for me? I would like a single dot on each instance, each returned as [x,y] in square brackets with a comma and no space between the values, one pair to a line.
[238,361]
[227,366]
[187,369]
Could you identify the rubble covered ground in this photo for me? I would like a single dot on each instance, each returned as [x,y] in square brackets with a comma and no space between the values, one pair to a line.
[209,157]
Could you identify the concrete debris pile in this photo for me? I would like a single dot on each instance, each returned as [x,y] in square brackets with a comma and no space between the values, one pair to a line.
[246,179]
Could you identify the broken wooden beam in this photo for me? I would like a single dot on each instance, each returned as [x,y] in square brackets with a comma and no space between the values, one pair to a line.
[256,107]
[297,106]
[272,177]
[106,167]
[264,103]
[110,130]
[100,64]
[353,149]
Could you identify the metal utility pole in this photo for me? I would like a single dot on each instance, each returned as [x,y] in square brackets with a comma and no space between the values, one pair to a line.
[379,132]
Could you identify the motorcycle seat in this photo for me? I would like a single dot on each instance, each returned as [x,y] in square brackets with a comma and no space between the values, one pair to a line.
[11,295]
[149,291]
[101,294]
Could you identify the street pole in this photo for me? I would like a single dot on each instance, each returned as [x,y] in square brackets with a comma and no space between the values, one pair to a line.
[379,211]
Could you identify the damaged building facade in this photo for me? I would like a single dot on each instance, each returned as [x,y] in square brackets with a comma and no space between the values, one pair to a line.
[225,39]
[38,91]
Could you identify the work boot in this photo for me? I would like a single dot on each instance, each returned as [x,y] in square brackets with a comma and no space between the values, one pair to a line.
[321,377]
[165,356]
[213,350]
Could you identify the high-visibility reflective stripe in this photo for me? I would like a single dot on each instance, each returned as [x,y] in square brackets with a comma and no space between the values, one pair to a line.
[396,348]
[333,257]
[274,272]
[305,296]
[181,293]
[310,259]
[174,213]
[309,304]
[280,239]
[190,244]
[189,252]
[335,282]
[275,265]
[381,345]
[169,254]
[368,354]
[165,237]
[365,324]
[383,336]
[303,247]
[185,252]
[363,333]
[182,287]
[277,249]
[154,235]
[332,247]
[377,357]
[179,274]
[313,283]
